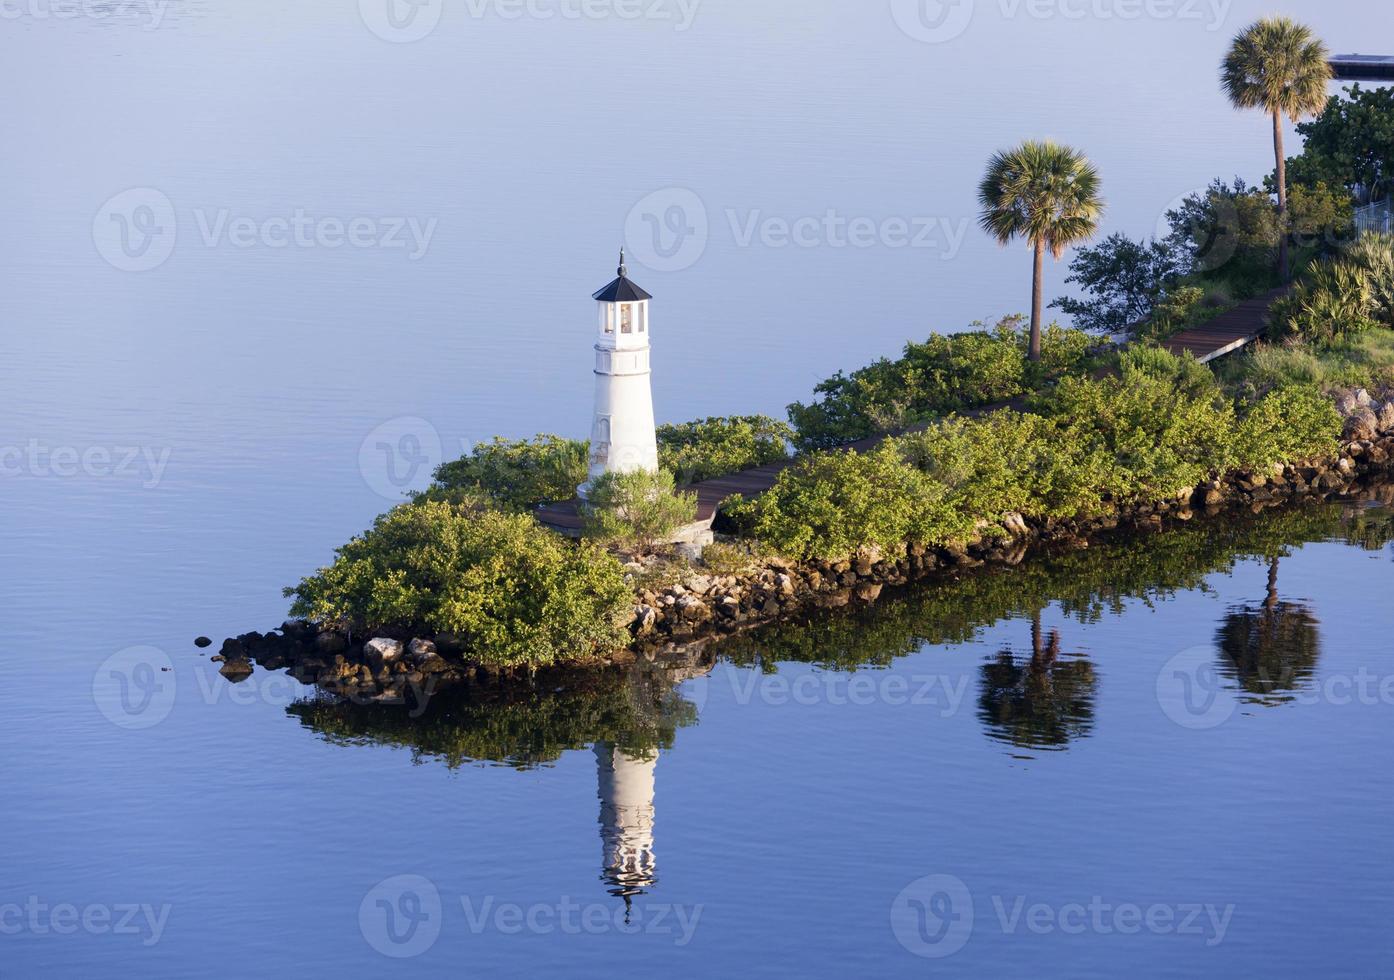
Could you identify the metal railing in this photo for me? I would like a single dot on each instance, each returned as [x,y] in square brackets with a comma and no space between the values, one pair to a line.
[1377,217]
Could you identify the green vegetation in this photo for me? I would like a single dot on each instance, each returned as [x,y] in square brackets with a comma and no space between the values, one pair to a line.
[1279,66]
[1351,144]
[1157,429]
[635,511]
[1047,194]
[1126,281]
[519,475]
[944,374]
[713,447]
[523,726]
[514,592]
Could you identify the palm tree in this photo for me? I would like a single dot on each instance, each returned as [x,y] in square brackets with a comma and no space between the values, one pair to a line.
[1279,66]
[1046,193]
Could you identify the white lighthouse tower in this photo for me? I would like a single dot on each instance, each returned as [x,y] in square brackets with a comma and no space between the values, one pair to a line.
[622,433]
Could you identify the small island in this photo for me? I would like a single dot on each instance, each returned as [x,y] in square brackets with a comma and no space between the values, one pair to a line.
[1243,361]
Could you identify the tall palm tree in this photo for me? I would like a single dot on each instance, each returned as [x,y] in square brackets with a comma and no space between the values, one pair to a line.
[1281,67]
[1046,193]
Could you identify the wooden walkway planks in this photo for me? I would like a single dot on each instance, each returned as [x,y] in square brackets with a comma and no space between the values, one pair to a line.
[1227,332]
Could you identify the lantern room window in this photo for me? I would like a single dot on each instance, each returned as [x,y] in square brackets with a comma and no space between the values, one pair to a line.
[627,318]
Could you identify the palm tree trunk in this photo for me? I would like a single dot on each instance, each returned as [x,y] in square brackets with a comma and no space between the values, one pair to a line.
[1037,289]
[1283,271]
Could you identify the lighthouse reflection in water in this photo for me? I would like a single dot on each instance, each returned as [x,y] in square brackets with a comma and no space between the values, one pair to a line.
[626,819]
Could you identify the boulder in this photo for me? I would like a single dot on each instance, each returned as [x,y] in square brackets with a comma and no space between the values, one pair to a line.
[1385,418]
[330,643]
[420,648]
[1362,424]
[380,651]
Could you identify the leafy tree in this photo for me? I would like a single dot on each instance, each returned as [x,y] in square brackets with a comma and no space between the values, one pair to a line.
[519,474]
[1047,194]
[1350,144]
[1124,279]
[637,510]
[517,593]
[1279,66]
[714,447]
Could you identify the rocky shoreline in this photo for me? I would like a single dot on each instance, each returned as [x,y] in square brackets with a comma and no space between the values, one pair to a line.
[675,621]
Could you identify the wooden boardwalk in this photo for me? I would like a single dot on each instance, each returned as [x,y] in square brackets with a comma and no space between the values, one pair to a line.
[1222,335]
[1227,332]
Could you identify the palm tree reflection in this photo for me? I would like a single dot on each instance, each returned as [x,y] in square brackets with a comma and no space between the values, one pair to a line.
[1042,703]
[1269,650]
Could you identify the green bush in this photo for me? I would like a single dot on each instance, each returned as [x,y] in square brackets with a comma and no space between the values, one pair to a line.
[517,593]
[1155,438]
[519,475]
[714,447]
[944,374]
[1373,254]
[830,504]
[1332,304]
[1289,425]
[637,510]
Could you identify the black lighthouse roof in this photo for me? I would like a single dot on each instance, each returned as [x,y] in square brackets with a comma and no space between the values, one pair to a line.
[622,290]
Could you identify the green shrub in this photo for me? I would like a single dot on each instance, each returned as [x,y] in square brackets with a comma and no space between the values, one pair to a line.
[517,593]
[830,504]
[637,510]
[1155,438]
[944,374]
[1007,462]
[1332,304]
[1189,375]
[1289,425]
[521,474]
[1374,255]
[1123,279]
[1181,308]
[714,447]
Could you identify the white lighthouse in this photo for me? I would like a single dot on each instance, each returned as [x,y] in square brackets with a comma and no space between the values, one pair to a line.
[626,819]
[622,432]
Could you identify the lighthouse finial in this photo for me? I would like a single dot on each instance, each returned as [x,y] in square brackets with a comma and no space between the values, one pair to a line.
[623,271]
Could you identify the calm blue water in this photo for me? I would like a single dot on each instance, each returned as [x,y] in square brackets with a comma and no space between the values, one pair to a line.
[196,397]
